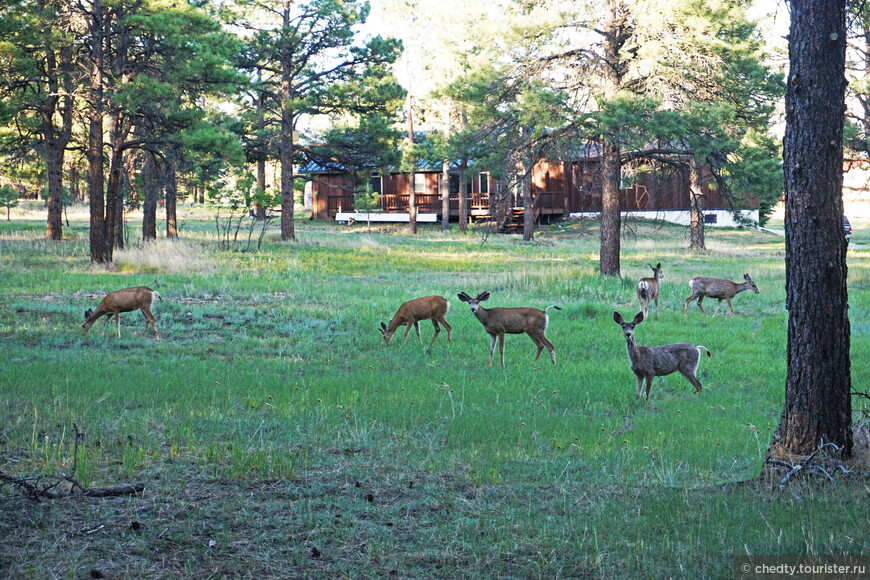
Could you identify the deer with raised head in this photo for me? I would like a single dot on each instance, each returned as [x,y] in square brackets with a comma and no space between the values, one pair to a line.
[703,287]
[648,289]
[412,312]
[648,362]
[500,321]
[126,300]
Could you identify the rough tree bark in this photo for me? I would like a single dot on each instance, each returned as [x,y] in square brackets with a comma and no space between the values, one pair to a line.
[170,180]
[152,191]
[286,147]
[412,191]
[818,382]
[100,251]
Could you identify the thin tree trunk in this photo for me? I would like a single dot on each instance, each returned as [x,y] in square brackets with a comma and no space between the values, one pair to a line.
[818,381]
[412,190]
[463,195]
[261,158]
[696,195]
[445,195]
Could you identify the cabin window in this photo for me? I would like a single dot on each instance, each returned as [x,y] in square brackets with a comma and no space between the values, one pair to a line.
[453,184]
[419,183]
[377,184]
[710,218]
[484,182]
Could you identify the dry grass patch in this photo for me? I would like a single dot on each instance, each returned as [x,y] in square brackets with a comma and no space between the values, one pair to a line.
[165,256]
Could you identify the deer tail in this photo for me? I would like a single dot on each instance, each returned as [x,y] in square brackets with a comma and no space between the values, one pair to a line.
[553,306]
[157,294]
[699,347]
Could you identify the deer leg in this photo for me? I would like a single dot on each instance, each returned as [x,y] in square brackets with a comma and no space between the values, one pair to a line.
[538,344]
[686,309]
[106,323]
[694,380]
[649,380]
[149,317]
[491,347]
[639,386]
[729,306]
[447,326]
[407,330]
[657,307]
[718,306]
[437,330]
[501,348]
[118,323]
[417,328]
[700,299]
[549,346]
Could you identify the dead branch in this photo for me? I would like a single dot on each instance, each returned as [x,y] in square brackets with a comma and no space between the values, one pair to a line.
[807,467]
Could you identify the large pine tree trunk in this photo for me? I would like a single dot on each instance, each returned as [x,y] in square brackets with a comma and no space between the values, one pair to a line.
[610,216]
[100,252]
[261,158]
[613,38]
[286,147]
[149,207]
[528,202]
[170,180]
[54,161]
[696,195]
[818,382]
[463,195]
[412,190]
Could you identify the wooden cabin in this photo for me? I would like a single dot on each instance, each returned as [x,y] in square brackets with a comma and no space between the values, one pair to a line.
[558,189]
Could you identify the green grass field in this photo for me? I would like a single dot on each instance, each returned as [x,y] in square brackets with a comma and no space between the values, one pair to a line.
[277,436]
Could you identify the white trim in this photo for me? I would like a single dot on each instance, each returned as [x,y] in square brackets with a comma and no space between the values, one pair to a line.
[351,217]
[724,217]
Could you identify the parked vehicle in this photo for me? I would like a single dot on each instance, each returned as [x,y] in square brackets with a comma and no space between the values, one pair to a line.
[848,229]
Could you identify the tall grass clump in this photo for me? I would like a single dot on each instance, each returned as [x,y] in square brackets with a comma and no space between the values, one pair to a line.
[165,256]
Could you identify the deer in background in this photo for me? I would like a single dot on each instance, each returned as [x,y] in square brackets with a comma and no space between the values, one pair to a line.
[412,312]
[126,300]
[500,321]
[648,289]
[717,288]
[648,362]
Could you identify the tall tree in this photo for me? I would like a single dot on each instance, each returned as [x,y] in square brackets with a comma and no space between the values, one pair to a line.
[38,82]
[307,55]
[818,382]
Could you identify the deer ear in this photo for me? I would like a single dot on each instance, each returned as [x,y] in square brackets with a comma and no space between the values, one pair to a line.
[659,266]
[617,317]
[638,319]
[746,276]
[483,296]
[464,297]
[88,312]
[383,327]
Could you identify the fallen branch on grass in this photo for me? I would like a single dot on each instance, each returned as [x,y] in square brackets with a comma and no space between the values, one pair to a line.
[43,486]
[807,467]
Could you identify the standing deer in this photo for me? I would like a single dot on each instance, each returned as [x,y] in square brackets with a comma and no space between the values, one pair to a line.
[500,321]
[126,300]
[717,288]
[412,312]
[648,289]
[647,362]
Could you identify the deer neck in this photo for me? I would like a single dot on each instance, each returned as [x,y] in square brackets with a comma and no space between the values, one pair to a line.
[741,287]
[631,346]
[482,315]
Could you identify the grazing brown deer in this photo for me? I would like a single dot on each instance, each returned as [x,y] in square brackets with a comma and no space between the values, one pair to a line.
[648,289]
[412,312]
[648,362]
[717,288]
[500,321]
[126,300]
